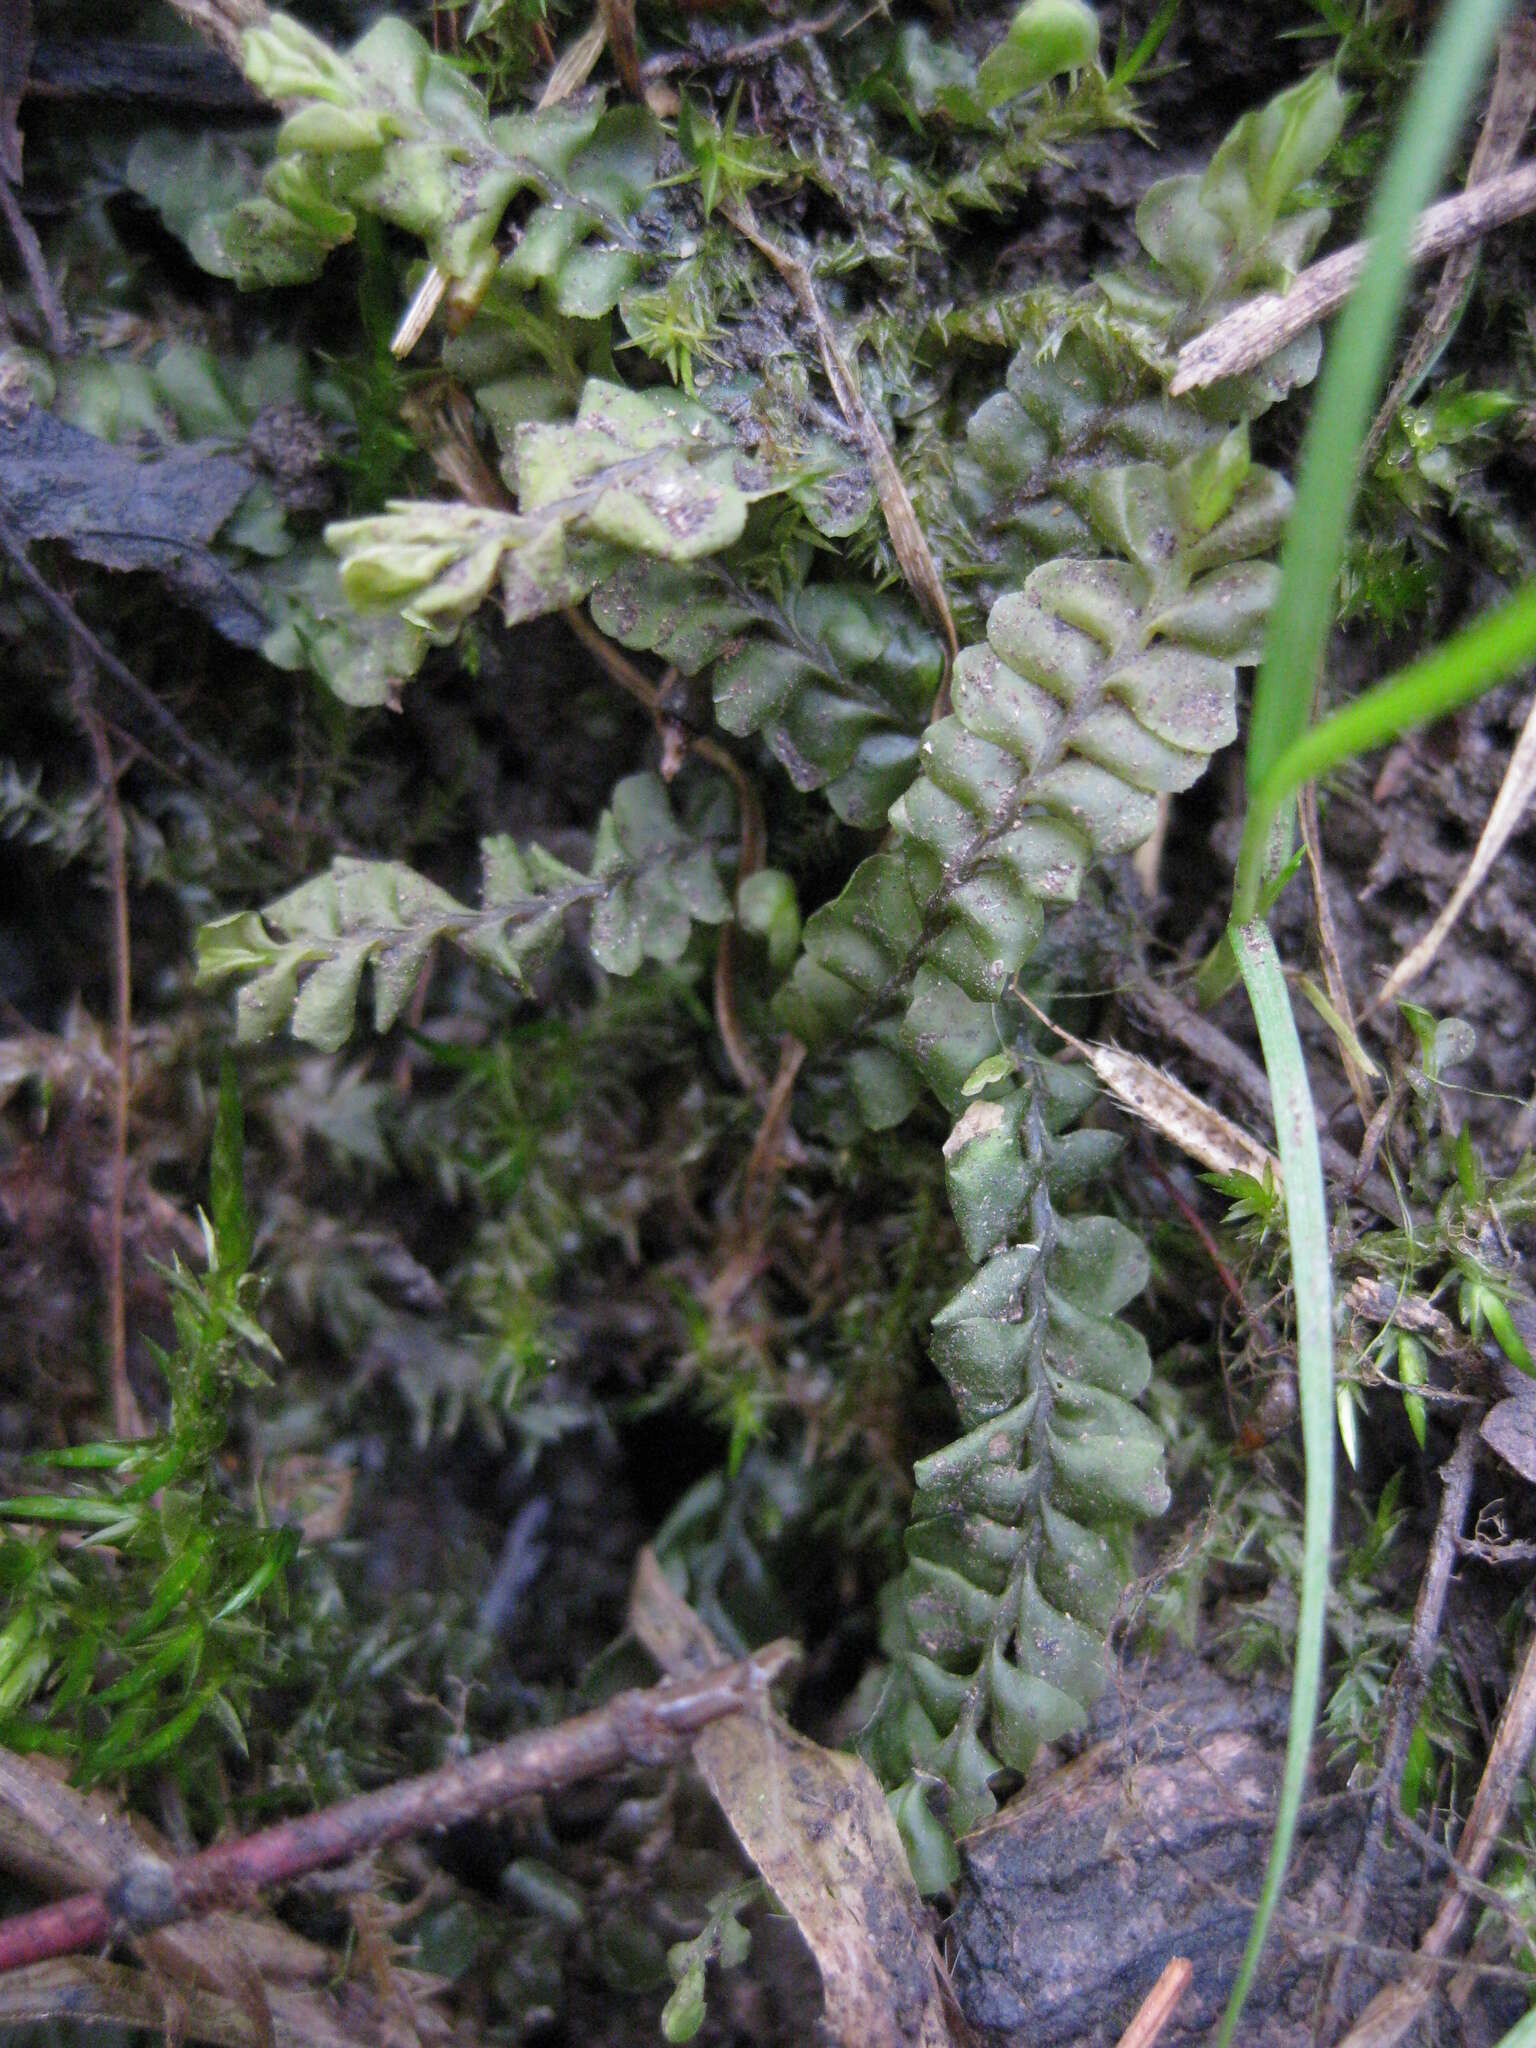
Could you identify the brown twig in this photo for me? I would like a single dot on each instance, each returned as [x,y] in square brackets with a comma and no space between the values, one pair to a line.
[1392,2013]
[1264,325]
[126,1419]
[1212,1250]
[1159,2005]
[905,528]
[1405,1694]
[619,26]
[735,55]
[49,304]
[634,1727]
[1510,107]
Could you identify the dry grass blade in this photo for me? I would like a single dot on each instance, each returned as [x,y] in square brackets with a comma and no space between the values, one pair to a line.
[1509,807]
[417,317]
[91,1993]
[1169,1107]
[1177,1114]
[1355,1072]
[576,65]
[907,537]
[816,1825]
[1262,326]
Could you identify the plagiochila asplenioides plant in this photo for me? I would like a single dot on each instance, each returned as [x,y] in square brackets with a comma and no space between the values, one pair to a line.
[1120,543]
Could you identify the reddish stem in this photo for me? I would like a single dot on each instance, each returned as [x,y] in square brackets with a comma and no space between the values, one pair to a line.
[634,1727]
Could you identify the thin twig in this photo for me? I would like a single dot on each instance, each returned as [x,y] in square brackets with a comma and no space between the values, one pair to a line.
[1159,2005]
[1224,1273]
[1159,1010]
[908,539]
[735,55]
[1516,792]
[635,1727]
[1261,327]
[44,290]
[1405,1694]
[126,1418]
[1510,107]
[212,770]
[619,27]
[1392,2013]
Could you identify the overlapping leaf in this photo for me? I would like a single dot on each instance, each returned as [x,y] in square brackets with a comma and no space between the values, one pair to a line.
[1018,1547]
[647,472]
[1088,393]
[393,129]
[838,679]
[1102,684]
[304,955]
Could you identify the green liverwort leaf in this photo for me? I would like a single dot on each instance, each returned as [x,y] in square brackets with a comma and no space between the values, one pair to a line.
[1044,39]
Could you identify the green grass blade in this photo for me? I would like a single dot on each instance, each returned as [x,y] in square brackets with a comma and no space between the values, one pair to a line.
[1452,64]
[1522,2034]
[1450,675]
[1306,1212]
